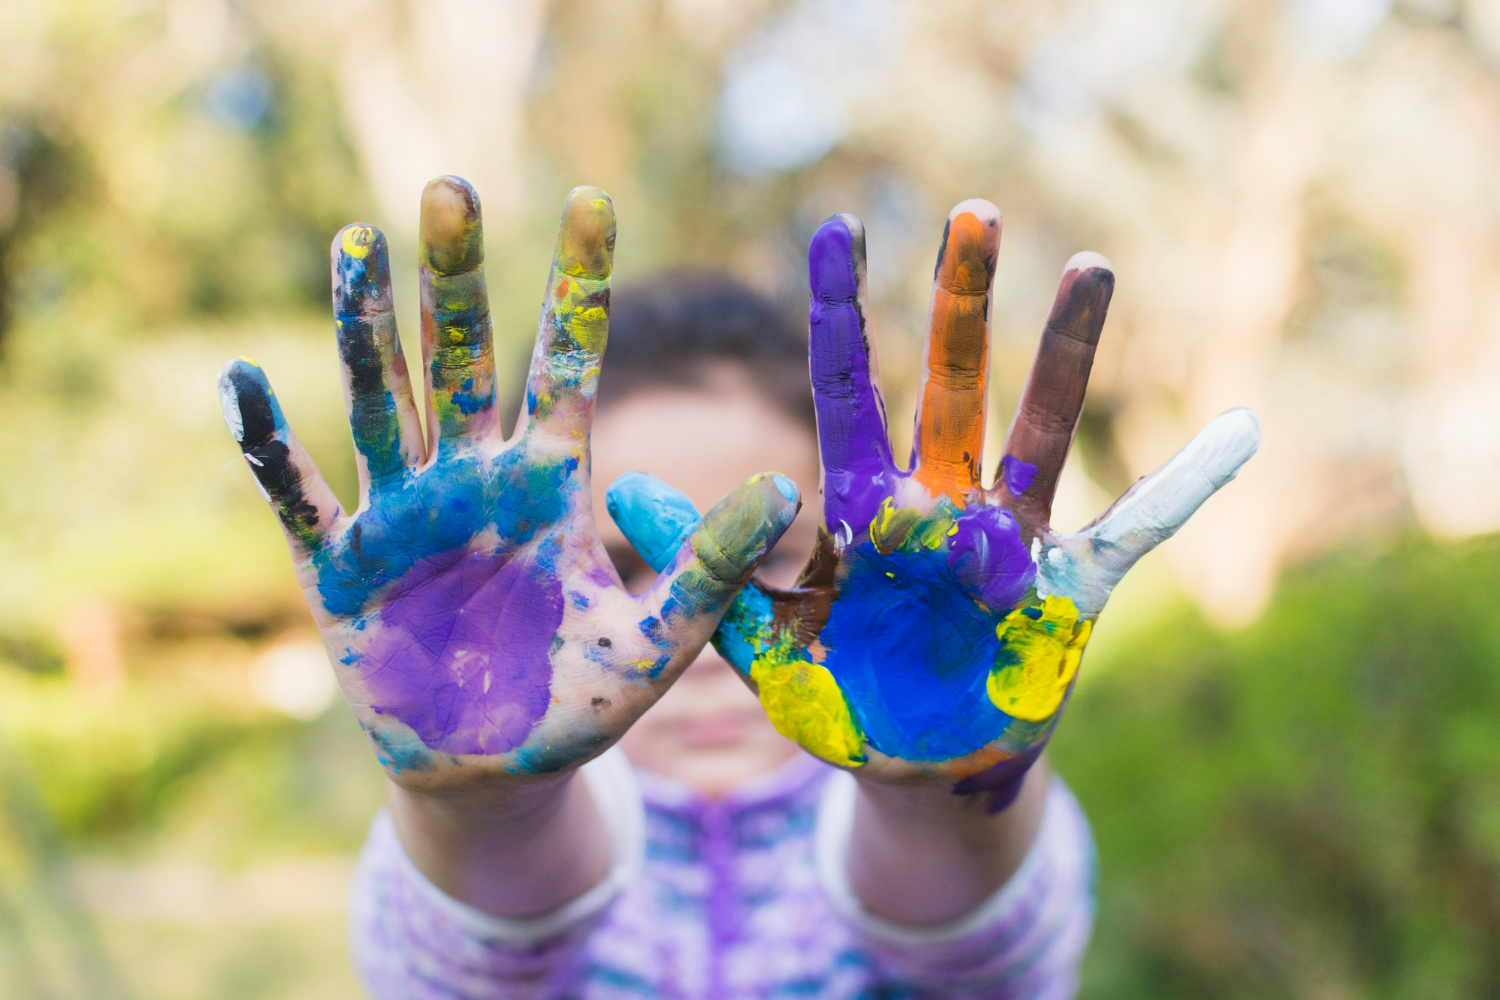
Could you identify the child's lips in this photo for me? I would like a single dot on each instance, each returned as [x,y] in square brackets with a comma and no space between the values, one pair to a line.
[717,730]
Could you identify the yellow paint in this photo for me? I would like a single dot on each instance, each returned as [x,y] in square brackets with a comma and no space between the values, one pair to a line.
[906,528]
[358,240]
[932,534]
[1040,658]
[804,703]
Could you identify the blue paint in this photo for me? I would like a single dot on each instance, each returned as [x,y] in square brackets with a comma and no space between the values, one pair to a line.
[654,517]
[787,488]
[746,621]
[401,753]
[445,507]
[912,654]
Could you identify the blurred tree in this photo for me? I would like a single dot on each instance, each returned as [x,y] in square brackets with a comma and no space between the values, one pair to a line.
[1310,808]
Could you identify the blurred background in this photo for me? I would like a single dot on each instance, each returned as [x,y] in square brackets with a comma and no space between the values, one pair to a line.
[1288,733]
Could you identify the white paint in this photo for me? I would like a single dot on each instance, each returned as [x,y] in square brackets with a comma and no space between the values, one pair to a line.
[1086,566]
[229,402]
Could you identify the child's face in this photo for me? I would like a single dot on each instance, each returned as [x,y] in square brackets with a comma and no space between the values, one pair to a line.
[709,730]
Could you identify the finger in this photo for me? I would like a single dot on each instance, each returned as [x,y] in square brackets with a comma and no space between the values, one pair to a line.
[575,319]
[1088,565]
[654,518]
[950,407]
[716,559]
[377,386]
[852,437]
[1047,414]
[283,469]
[456,342]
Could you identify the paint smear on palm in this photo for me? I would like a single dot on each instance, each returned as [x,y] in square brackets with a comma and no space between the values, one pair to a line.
[1039,653]
[934,671]
[804,702]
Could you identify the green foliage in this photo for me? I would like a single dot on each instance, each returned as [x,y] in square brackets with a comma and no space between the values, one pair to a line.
[1310,808]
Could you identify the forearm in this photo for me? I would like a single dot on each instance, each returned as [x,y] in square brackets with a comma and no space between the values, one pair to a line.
[511,852]
[923,856]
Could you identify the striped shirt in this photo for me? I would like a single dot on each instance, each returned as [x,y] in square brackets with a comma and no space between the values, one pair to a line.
[744,896]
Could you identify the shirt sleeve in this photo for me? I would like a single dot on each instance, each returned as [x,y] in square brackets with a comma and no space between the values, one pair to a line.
[1023,943]
[412,941]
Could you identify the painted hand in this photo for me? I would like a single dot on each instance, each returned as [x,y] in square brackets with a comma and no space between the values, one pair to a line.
[470,609]
[936,632]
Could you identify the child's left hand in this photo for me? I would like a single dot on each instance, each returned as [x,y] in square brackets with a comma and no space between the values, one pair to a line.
[936,632]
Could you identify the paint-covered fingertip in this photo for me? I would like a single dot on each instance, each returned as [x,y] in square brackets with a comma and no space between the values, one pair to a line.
[781,494]
[971,241]
[654,518]
[1243,425]
[1226,443]
[243,371]
[452,234]
[740,529]
[836,259]
[247,403]
[1086,259]
[358,240]
[586,235]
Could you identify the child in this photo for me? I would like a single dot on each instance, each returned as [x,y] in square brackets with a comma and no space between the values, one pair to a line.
[482,636]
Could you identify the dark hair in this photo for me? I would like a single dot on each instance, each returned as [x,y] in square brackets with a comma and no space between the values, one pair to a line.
[670,330]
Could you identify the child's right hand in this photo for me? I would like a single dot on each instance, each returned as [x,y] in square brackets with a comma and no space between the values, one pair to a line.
[475,621]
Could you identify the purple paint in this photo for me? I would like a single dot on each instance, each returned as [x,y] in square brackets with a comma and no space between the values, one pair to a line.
[462,652]
[851,418]
[1018,475]
[1003,781]
[986,553]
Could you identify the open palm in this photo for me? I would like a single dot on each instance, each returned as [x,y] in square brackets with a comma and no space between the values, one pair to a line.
[937,630]
[475,620]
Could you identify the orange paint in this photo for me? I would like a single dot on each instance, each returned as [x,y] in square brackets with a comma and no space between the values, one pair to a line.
[978,762]
[561,289]
[950,418]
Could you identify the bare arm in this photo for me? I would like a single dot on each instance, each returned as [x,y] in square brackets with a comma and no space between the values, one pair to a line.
[920,855]
[479,632]
[511,852]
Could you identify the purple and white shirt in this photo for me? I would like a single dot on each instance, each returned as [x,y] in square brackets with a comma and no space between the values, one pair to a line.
[738,897]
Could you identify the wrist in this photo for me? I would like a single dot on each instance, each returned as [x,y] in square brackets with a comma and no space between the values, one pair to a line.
[920,855]
[511,850]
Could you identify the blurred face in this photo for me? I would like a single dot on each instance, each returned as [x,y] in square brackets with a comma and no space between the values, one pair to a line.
[709,730]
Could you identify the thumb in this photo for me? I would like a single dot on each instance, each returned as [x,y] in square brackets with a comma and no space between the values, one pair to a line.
[710,565]
[1086,566]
